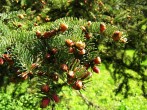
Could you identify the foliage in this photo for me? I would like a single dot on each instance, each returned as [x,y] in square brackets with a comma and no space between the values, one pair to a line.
[99,90]
[62,43]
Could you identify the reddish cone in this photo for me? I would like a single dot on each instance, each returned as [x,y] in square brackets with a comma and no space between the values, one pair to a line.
[1,61]
[71,50]
[47,56]
[96,69]
[64,67]
[69,42]
[88,35]
[45,88]
[70,81]
[63,27]
[87,65]
[70,74]
[78,85]
[55,77]
[116,35]
[82,52]
[102,27]
[45,102]
[54,50]
[49,34]
[38,34]
[97,60]
[7,57]
[56,98]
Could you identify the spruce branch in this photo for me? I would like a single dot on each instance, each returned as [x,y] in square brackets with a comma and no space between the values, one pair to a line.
[89,103]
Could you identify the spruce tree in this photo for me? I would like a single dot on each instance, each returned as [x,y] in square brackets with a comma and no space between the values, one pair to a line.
[52,44]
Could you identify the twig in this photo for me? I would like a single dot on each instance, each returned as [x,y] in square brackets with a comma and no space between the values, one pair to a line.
[89,103]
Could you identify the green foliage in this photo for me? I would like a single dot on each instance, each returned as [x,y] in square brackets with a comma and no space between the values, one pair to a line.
[24,52]
[99,90]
